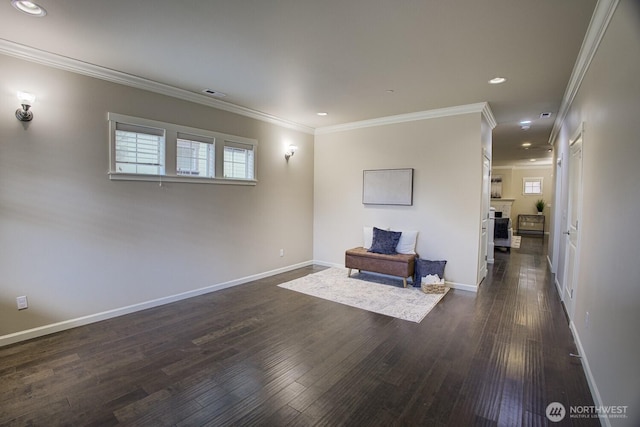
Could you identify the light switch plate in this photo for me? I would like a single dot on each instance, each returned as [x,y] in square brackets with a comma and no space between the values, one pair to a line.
[22,302]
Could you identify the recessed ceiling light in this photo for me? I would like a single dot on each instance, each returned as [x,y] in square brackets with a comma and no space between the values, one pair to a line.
[497,80]
[532,160]
[322,113]
[526,144]
[525,122]
[389,90]
[29,7]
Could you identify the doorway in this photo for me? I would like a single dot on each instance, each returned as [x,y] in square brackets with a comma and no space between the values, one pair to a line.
[572,234]
[484,221]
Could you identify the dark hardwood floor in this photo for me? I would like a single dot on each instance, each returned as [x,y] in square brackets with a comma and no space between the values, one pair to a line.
[257,354]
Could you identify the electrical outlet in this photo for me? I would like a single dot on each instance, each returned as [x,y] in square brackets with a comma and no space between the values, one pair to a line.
[281,252]
[22,303]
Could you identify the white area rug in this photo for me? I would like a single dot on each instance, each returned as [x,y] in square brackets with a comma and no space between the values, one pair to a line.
[333,284]
[515,242]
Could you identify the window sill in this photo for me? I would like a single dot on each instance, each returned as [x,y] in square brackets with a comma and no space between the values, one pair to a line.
[179,179]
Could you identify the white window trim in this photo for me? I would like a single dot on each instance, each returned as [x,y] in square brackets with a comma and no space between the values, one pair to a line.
[171,136]
[194,161]
[532,179]
[241,146]
[157,133]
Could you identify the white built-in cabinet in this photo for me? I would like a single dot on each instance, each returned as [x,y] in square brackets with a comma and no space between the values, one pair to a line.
[502,205]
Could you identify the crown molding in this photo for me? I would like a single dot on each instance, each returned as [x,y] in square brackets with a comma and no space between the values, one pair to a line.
[602,15]
[545,166]
[488,115]
[73,65]
[79,67]
[523,164]
[481,107]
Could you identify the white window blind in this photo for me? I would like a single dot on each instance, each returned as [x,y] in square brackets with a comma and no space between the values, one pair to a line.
[239,160]
[195,156]
[139,149]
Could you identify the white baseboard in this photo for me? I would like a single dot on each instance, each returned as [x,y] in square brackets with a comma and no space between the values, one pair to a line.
[463,286]
[585,361]
[555,277]
[97,317]
[327,264]
[587,370]
[558,288]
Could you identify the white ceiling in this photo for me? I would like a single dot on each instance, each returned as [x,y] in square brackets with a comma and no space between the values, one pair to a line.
[294,58]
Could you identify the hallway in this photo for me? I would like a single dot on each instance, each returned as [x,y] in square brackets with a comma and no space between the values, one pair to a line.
[530,338]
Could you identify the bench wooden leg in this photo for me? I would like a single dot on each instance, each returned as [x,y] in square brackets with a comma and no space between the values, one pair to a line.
[349,273]
[404,281]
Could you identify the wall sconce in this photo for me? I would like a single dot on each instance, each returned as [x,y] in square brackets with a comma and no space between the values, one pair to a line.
[291,150]
[26,100]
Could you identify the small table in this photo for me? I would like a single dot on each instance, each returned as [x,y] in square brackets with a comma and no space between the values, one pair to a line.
[531,224]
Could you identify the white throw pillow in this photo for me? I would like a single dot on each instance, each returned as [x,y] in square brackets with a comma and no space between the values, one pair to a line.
[407,243]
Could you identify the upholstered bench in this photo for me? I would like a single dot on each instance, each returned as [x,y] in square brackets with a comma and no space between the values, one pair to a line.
[402,265]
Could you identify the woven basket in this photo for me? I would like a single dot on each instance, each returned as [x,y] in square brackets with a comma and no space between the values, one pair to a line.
[433,289]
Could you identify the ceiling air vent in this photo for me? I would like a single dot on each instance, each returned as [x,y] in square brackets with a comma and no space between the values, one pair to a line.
[214,93]
[545,115]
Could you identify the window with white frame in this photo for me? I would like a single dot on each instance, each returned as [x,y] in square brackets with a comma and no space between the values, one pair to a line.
[148,150]
[532,186]
[139,149]
[195,156]
[238,160]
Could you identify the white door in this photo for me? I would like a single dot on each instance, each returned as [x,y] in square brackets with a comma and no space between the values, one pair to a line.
[572,233]
[486,191]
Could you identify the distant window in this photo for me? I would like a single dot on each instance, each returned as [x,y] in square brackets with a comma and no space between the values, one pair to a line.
[139,150]
[239,161]
[195,156]
[531,186]
[149,150]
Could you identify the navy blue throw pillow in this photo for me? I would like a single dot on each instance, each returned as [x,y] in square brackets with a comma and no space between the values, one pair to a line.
[385,242]
[424,267]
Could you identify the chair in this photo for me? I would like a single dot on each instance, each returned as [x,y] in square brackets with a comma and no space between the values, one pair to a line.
[502,233]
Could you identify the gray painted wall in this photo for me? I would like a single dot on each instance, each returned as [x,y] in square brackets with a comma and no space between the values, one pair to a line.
[76,243]
[446,154]
[608,274]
